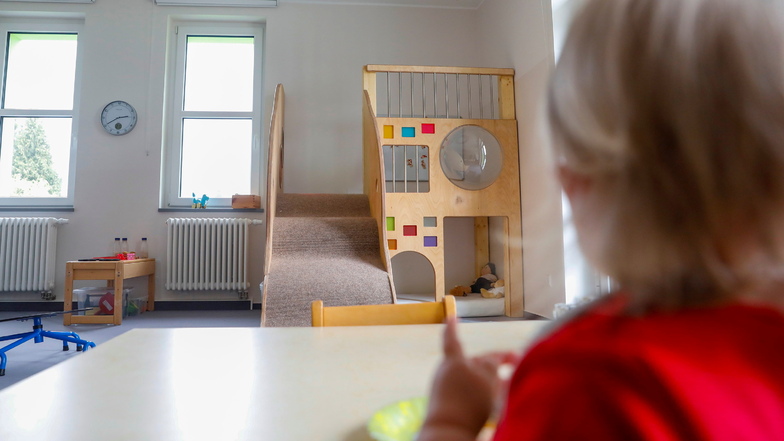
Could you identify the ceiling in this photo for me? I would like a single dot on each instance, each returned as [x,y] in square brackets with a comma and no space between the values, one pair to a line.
[456,4]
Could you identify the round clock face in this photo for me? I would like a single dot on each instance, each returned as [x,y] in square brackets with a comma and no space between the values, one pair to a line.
[118,118]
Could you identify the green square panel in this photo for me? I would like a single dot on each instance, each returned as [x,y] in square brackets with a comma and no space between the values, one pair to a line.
[390,224]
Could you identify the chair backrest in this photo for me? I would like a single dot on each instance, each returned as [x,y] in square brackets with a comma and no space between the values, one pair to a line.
[397,314]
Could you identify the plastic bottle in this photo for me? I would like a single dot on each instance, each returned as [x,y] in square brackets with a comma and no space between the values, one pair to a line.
[142,254]
[125,245]
[117,246]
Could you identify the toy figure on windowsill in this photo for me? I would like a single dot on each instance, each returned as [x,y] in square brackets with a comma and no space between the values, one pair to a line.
[199,203]
[485,281]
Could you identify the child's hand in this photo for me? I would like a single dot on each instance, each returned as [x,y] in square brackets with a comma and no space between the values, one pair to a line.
[464,393]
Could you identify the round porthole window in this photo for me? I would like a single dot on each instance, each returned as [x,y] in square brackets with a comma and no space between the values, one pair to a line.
[471,157]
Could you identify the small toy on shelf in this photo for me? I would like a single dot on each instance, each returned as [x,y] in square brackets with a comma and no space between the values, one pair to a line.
[496,292]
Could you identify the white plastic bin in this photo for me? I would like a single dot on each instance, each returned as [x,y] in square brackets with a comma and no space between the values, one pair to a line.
[90,297]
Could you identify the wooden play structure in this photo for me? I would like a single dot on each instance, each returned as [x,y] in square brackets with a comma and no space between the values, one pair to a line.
[441,143]
[439,149]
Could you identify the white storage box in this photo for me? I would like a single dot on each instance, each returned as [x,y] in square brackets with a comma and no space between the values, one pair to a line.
[91,297]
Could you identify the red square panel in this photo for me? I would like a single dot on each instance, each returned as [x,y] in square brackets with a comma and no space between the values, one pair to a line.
[428,128]
[409,230]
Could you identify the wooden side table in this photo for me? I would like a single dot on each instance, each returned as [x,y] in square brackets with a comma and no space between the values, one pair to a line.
[114,272]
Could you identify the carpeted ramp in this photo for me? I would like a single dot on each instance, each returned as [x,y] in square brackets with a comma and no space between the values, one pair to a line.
[325,247]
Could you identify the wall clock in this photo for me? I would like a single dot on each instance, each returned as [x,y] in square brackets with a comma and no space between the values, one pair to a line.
[118,118]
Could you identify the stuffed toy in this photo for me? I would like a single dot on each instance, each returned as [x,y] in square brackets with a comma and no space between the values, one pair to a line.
[485,280]
[496,292]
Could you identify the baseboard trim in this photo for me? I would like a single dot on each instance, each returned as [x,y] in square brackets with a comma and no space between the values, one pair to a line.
[199,305]
[32,306]
[531,316]
[222,305]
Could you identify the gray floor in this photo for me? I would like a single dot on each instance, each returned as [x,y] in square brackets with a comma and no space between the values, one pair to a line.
[30,358]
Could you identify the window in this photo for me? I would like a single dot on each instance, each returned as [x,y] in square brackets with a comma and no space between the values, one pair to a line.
[37,113]
[215,123]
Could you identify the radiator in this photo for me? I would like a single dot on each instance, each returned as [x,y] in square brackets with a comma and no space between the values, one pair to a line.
[207,254]
[28,247]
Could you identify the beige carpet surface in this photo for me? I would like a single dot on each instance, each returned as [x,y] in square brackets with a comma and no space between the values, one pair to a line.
[325,247]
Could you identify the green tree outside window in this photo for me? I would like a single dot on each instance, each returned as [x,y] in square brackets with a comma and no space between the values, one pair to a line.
[32,160]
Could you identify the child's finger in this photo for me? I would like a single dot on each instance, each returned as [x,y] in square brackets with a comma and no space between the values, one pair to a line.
[501,364]
[452,347]
[504,357]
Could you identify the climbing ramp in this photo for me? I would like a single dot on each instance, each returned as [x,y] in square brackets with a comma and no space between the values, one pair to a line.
[319,247]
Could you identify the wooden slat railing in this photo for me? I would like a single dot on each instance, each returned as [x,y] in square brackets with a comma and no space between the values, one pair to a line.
[274,170]
[440,91]
[372,181]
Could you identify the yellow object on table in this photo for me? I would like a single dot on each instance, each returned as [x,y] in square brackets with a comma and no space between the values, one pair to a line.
[401,421]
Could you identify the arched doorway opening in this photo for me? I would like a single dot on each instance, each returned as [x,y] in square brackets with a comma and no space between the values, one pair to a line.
[417,279]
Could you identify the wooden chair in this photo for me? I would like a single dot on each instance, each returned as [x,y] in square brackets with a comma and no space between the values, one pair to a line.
[396,314]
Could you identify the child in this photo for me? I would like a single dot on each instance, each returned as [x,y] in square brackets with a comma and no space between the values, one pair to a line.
[667,121]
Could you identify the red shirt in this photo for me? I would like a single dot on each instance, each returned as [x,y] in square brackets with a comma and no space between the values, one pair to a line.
[698,374]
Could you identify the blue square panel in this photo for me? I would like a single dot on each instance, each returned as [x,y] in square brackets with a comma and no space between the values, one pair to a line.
[408,132]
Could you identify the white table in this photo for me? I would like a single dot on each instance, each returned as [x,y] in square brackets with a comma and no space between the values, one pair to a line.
[270,384]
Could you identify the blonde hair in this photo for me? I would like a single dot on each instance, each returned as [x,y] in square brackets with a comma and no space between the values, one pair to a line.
[674,110]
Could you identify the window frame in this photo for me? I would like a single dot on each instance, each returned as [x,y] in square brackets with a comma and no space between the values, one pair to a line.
[172,170]
[59,25]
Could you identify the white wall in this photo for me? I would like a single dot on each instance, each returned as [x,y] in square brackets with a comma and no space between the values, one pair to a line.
[518,34]
[317,52]
[581,279]
[563,11]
